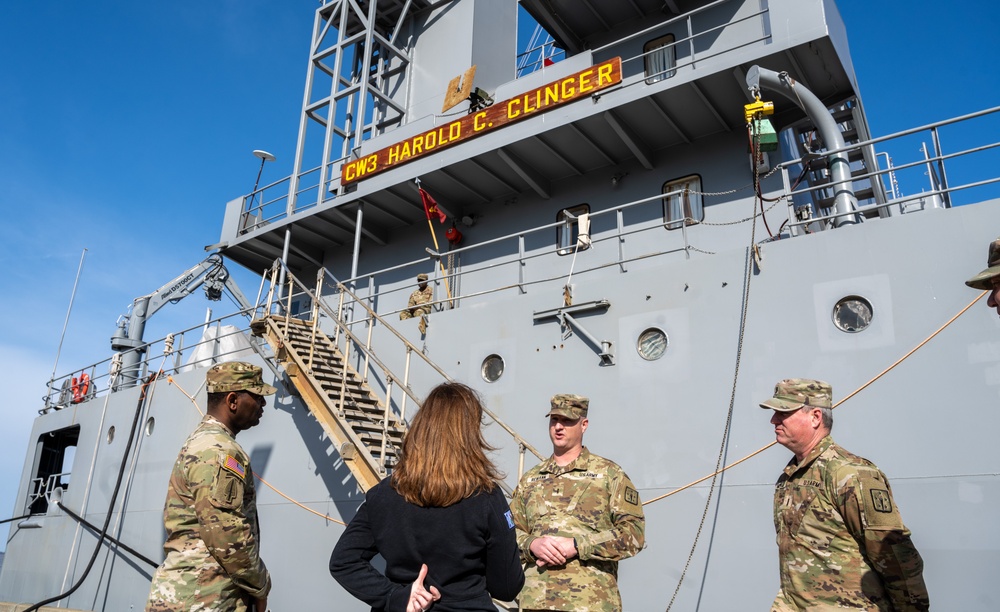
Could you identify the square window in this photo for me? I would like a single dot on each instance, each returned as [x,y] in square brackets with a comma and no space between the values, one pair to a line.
[683,205]
[573,231]
[661,58]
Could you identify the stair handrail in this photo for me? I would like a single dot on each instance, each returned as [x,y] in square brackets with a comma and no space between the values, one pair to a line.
[370,354]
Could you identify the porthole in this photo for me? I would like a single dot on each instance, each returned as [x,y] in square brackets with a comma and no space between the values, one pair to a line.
[652,344]
[853,314]
[150,423]
[492,368]
[111,434]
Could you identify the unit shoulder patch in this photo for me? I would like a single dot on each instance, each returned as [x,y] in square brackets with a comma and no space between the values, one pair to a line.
[881,500]
[631,496]
[879,510]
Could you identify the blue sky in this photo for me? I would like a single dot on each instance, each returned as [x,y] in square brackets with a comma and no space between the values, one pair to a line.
[125,127]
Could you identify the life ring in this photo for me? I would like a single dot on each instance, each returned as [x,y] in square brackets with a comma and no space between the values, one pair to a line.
[80,387]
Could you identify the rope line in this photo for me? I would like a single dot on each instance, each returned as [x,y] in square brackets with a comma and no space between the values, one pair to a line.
[171,380]
[836,404]
[694,482]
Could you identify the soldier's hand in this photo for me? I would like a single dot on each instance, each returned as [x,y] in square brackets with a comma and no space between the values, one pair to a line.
[552,550]
[567,546]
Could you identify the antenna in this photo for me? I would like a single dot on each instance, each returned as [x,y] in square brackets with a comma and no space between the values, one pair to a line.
[72,297]
[459,89]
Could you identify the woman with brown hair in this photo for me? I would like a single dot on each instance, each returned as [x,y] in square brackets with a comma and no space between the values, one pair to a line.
[441,518]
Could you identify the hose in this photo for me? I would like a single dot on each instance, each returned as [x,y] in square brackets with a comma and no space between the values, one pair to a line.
[111,505]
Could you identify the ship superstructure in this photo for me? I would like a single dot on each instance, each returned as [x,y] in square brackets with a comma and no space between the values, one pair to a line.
[608,226]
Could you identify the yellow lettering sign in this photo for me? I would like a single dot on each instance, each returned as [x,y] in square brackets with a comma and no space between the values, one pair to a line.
[537,100]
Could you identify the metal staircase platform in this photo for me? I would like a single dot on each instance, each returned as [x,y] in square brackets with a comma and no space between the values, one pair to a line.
[366,432]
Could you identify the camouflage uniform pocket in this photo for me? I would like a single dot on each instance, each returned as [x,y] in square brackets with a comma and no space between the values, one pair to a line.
[227,492]
[794,501]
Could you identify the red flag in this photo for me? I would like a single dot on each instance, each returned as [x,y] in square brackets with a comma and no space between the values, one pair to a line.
[431,207]
[547,62]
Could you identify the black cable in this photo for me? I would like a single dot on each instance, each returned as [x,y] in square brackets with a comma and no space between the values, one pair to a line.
[111,506]
[16,518]
[118,543]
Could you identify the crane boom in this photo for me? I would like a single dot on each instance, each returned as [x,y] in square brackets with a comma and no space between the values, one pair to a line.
[127,339]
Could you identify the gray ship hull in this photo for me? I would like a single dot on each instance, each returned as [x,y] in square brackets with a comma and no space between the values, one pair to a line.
[505,294]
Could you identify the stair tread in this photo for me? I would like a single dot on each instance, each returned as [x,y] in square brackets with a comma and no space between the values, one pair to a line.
[333,378]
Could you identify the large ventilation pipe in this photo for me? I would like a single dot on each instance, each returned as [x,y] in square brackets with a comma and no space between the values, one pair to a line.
[845,203]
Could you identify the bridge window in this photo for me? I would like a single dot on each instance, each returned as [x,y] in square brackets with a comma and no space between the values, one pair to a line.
[661,58]
[54,455]
[683,202]
[573,231]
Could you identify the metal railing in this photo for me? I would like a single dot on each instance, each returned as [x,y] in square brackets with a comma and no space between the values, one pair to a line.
[693,57]
[167,353]
[273,202]
[935,162]
[47,487]
[516,257]
[361,351]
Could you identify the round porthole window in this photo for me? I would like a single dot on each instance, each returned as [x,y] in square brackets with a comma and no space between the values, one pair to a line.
[652,344]
[150,424]
[111,434]
[492,368]
[853,314]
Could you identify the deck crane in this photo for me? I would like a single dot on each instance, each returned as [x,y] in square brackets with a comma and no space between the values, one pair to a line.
[127,339]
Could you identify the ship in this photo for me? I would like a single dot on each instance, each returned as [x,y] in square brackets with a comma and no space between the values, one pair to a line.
[665,206]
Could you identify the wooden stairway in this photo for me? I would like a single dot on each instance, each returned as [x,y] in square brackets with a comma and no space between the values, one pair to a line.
[366,434]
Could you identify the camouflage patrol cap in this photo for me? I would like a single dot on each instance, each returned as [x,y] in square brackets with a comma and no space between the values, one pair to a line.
[984,280]
[794,393]
[421,277]
[237,376]
[569,405]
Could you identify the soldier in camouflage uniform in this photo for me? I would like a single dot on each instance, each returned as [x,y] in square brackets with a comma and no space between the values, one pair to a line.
[989,278]
[841,541]
[576,515]
[419,304]
[212,550]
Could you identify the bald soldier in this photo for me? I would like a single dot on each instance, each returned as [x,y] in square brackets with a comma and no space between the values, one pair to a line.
[213,541]
[576,516]
[989,279]
[419,303]
[841,541]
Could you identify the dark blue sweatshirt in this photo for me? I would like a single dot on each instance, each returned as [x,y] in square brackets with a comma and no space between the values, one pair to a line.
[469,549]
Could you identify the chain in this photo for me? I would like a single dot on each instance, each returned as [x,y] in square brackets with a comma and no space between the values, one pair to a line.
[697,250]
[754,216]
[738,189]
[747,277]
[757,178]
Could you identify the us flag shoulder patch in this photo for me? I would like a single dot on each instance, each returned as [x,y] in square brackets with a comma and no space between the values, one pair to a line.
[234,466]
